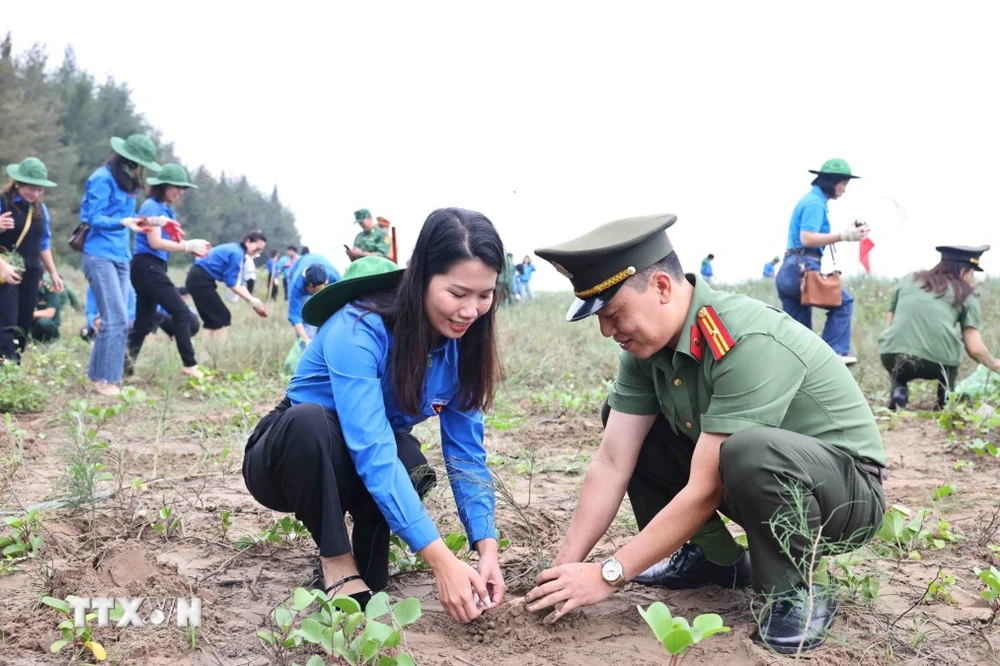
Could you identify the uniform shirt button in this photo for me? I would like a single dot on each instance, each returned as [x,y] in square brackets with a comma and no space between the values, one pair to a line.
[688,425]
[677,382]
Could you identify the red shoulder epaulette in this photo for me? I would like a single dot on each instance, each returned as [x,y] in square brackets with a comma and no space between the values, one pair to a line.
[715,333]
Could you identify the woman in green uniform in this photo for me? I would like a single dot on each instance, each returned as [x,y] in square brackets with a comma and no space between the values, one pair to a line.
[931,316]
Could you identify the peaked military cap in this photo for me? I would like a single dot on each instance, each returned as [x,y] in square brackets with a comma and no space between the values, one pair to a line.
[963,254]
[598,262]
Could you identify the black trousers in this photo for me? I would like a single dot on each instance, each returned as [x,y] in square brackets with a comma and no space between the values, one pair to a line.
[296,461]
[17,313]
[153,287]
[166,323]
[205,294]
[904,368]
[284,285]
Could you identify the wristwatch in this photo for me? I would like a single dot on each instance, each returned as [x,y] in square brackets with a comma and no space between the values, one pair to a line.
[612,572]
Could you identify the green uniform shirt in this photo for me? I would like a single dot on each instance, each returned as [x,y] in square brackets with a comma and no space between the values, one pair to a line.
[374,240]
[50,299]
[778,374]
[928,326]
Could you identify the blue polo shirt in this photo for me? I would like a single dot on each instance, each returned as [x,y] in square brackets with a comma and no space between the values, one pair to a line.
[103,207]
[344,369]
[768,270]
[527,270]
[224,263]
[284,263]
[152,208]
[810,214]
[297,294]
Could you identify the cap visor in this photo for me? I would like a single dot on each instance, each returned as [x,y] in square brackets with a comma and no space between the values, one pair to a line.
[584,307]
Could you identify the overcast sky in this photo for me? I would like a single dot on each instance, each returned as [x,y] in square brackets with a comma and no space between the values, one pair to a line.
[554,117]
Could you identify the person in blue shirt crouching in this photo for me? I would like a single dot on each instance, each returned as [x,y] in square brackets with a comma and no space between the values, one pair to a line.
[224,263]
[394,348]
[309,274]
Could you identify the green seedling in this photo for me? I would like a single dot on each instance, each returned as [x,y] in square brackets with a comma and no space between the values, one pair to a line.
[992,592]
[79,639]
[961,464]
[25,537]
[983,448]
[944,491]
[675,633]
[224,523]
[940,589]
[902,533]
[341,629]
[166,522]
[865,586]
[284,533]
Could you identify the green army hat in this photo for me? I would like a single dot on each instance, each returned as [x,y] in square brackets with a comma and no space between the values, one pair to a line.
[364,276]
[139,148]
[963,254]
[598,262]
[361,214]
[31,171]
[172,174]
[835,167]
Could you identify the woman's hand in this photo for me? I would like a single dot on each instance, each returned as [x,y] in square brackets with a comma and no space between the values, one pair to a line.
[456,583]
[6,221]
[133,224]
[57,283]
[489,569]
[9,275]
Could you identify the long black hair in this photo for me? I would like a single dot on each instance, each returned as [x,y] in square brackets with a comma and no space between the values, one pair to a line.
[947,274]
[449,235]
[120,167]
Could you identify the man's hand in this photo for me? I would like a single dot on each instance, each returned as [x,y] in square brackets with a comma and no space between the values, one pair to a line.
[355,253]
[574,585]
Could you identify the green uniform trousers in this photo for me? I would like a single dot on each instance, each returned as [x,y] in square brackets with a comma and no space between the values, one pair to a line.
[44,329]
[904,368]
[756,465]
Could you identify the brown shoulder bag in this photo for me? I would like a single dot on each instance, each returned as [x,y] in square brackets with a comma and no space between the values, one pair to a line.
[821,289]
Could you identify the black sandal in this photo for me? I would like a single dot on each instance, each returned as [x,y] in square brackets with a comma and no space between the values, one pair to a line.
[361,597]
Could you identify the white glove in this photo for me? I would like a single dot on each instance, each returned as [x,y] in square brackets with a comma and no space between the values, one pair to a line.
[157,220]
[256,303]
[196,246]
[131,223]
[854,232]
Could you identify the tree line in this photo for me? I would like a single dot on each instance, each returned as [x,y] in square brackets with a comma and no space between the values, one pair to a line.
[65,118]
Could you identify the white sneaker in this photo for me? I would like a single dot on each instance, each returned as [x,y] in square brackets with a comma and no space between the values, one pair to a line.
[848,359]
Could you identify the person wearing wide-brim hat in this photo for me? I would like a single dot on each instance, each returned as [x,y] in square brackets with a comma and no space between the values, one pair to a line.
[933,314]
[808,235]
[720,404]
[109,210]
[394,348]
[25,229]
[149,268]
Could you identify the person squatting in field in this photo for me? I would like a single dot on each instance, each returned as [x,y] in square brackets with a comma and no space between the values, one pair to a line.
[720,404]
[394,348]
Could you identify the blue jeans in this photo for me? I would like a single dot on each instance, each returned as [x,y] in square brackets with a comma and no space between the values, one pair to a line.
[524,288]
[110,282]
[837,330]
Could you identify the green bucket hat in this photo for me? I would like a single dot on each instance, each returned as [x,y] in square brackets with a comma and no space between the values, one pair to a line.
[171,174]
[836,167]
[31,171]
[139,148]
[364,276]
[361,214]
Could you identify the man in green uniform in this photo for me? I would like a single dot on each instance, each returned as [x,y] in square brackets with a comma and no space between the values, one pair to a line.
[932,315]
[505,285]
[720,404]
[45,327]
[371,240]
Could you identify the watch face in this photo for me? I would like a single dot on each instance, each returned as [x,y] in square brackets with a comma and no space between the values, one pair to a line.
[611,570]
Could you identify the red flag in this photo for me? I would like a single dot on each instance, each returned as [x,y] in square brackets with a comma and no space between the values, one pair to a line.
[866,247]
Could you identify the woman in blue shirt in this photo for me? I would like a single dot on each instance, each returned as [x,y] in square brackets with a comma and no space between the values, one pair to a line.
[224,263]
[808,234]
[394,348]
[524,279]
[109,208]
[153,287]
[24,230]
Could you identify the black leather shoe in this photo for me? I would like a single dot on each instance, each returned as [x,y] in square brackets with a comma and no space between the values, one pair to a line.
[784,627]
[900,398]
[688,568]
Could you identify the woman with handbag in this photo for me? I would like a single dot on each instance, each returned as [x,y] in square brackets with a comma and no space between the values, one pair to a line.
[394,348]
[932,315]
[24,230]
[107,213]
[224,263]
[149,268]
[800,283]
